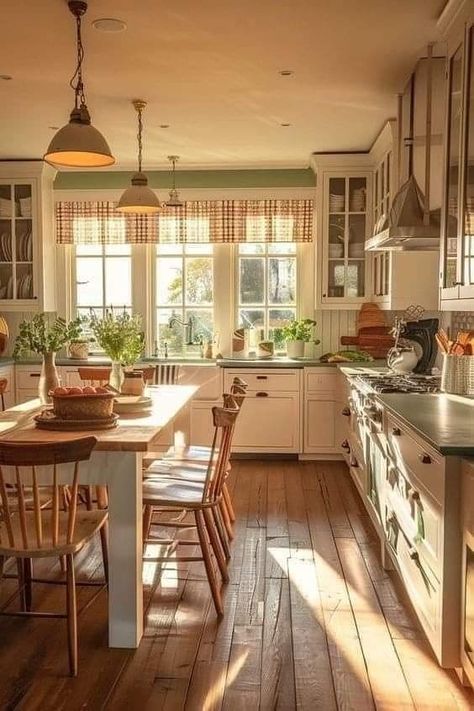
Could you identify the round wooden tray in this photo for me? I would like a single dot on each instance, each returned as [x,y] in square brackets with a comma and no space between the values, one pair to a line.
[47,420]
[132,404]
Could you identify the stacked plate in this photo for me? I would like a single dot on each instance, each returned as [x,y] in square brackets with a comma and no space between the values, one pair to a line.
[24,252]
[336,203]
[25,207]
[358,200]
[5,208]
[23,287]
[5,247]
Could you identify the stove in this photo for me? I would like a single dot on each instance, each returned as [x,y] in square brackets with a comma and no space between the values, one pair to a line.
[397,383]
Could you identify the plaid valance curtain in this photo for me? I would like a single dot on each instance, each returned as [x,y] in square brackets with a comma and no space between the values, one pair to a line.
[226,221]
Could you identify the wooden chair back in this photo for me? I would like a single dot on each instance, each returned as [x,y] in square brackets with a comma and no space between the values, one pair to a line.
[149,373]
[3,387]
[38,529]
[166,374]
[224,423]
[94,375]
[238,393]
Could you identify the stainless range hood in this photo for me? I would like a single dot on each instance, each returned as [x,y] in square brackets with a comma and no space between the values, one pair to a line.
[410,225]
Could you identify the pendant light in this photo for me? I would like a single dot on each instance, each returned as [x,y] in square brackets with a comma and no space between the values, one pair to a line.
[139,197]
[78,144]
[174,200]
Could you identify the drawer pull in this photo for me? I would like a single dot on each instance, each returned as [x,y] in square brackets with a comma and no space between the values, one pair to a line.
[261,377]
[35,375]
[261,394]
[413,553]
[425,458]
[345,445]
[346,412]
[396,431]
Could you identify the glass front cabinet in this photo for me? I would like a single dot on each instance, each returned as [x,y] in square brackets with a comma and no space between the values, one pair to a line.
[27,243]
[382,199]
[457,227]
[344,199]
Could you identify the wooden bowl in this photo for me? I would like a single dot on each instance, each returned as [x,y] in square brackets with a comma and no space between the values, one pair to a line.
[93,406]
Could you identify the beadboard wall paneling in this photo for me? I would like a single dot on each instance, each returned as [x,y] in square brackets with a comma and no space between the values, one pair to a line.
[331,325]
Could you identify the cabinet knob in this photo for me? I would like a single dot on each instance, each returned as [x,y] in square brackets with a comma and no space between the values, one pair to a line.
[413,553]
[396,431]
[425,458]
[261,394]
[354,463]
[346,412]
[345,445]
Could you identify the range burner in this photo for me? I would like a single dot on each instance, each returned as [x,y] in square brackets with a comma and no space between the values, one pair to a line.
[393,383]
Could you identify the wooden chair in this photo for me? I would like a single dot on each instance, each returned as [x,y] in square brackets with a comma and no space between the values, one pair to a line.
[166,374]
[26,534]
[94,376]
[201,499]
[3,387]
[149,373]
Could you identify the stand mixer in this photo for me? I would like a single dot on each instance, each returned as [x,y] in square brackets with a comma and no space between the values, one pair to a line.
[415,348]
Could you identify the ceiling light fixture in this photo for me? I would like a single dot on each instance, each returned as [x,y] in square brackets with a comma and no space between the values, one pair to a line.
[139,198]
[78,144]
[109,24]
[174,199]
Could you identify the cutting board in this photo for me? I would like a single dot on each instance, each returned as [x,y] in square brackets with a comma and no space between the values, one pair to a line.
[373,333]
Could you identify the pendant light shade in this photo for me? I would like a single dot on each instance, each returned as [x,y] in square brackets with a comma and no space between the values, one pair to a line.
[174,199]
[139,198]
[78,144]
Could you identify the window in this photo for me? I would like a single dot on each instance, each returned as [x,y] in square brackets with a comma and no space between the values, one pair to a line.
[103,277]
[184,291]
[266,278]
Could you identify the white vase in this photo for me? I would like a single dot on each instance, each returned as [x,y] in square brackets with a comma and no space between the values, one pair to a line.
[49,377]
[116,375]
[295,349]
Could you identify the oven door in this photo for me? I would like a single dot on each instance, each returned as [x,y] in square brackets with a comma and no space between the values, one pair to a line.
[468,617]
[376,469]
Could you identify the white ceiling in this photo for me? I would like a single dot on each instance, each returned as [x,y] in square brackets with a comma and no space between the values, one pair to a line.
[209,69]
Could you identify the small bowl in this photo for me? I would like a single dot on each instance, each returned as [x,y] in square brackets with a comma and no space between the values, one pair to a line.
[94,406]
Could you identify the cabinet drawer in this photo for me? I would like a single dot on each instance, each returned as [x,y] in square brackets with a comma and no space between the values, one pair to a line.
[317,380]
[268,424]
[28,379]
[409,453]
[270,380]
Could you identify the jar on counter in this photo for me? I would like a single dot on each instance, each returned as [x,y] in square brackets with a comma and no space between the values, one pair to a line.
[133,383]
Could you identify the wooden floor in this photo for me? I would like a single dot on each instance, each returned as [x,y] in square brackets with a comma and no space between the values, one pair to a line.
[312,620]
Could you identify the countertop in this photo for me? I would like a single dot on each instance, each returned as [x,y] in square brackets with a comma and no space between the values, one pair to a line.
[283,362]
[444,421]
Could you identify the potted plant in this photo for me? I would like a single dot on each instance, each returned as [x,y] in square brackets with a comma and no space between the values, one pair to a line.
[45,338]
[121,337]
[296,334]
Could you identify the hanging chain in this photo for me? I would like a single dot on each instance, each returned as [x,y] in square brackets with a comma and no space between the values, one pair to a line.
[174,173]
[76,81]
[139,137]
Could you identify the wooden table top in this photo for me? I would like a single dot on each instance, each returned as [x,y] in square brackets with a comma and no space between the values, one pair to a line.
[132,434]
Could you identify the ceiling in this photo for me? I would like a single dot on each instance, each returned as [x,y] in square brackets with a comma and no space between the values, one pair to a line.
[210,69]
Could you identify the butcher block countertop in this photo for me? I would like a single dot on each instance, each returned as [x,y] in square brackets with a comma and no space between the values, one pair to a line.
[444,421]
[132,434]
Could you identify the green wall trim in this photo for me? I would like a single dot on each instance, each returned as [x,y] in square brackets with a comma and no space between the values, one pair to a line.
[110,180]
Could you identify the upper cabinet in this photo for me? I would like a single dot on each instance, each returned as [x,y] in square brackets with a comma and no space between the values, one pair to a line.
[457,224]
[27,243]
[344,218]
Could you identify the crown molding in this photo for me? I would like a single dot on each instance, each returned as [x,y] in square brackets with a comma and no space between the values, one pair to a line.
[450,15]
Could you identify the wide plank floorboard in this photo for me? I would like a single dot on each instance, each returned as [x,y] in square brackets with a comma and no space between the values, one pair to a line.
[312,619]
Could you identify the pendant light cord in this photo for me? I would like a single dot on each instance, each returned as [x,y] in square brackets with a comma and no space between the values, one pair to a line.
[76,81]
[139,137]
[174,173]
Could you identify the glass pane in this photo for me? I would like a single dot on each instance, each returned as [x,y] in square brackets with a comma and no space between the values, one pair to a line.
[469,192]
[6,241]
[117,249]
[24,240]
[355,279]
[453,169]
[169,248]
[118,281]
[357,236]
[280,317]
[6,281]
[358,191]
[336,278]
[251,248]
[281,248]
[23,201]
[205,248]
[173,336]
[337,231]
[169,280]
[252,318]
[199,280]
[337,194]
[282,280]
[88,250]
[6,203]
[24,281]
[89,281]
[203,323]
[252,280]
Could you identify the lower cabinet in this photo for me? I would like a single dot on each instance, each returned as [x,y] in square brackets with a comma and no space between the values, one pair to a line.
[269,424]
[321,411]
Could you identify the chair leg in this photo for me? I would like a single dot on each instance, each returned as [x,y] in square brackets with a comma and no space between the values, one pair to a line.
[228,502]
[27,575]
[216,544]
[21,584]
[206,554]
[104,542]
[88,497]
[71,614]
[226,520]
[102,497]
[2,563]
[222,533]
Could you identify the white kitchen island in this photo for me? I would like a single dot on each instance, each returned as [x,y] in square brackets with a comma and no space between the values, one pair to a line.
[117,463]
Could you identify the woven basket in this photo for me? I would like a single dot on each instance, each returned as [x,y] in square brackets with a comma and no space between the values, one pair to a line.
[457,376]
[83,407]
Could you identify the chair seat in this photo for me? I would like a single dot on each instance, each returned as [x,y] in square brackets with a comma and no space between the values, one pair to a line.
[179,454]
[87,524]
[163,491]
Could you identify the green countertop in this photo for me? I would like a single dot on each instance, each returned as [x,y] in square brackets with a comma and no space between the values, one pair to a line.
[444,421]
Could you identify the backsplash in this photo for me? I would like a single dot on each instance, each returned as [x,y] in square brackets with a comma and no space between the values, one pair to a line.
[462,321]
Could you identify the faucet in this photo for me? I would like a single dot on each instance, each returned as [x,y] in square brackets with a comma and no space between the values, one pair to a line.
[188,325]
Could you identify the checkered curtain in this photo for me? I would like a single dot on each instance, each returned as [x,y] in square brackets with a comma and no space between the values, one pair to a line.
[228,221]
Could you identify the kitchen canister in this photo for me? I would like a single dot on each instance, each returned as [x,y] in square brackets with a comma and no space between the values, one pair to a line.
[457,375]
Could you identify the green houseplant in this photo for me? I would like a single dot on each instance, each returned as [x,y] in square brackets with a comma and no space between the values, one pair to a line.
[45,337]
[296,334]
[121,337]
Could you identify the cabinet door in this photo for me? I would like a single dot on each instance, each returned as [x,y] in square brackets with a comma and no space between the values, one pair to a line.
[450,241]
[268,424]
[320,424]
[467,287]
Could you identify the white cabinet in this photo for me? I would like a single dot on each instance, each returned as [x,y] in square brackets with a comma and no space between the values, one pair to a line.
[26,382]
[27,241]
[209,379]
[467,581]
[321,409]
[270,417]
